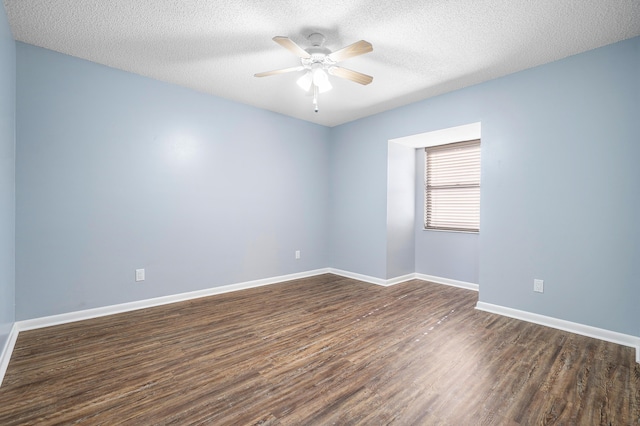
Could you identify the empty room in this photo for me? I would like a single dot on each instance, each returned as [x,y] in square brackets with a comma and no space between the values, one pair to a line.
[295,213]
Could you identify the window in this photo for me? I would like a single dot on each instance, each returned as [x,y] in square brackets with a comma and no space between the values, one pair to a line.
[452,187]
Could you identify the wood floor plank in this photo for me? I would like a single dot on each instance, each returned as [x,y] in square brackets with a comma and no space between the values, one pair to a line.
[320,350]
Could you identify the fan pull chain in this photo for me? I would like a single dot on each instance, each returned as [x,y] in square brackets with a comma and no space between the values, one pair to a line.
[315,98]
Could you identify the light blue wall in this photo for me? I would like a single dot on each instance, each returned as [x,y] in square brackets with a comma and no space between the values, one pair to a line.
[358,194]
[358,199]
[560,188]
[7,177]
[453,255]
[401,189]
[117,172]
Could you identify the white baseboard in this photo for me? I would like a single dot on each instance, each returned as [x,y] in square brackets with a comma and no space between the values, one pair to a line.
[447,281]
[5,355]
[65,318]
[572,327]
[404,278]
[359,277]
[68,317]
[400,279]
[35,323]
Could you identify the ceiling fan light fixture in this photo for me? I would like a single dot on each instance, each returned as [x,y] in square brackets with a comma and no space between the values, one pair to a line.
[305,81]
[318,78]
[321,80]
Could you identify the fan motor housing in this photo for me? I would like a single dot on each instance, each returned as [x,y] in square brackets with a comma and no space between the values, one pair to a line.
[317,49]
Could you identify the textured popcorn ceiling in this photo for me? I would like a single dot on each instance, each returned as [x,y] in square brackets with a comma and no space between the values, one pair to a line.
[421,48]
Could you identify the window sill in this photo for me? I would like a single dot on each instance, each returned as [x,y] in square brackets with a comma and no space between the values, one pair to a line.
[451,230]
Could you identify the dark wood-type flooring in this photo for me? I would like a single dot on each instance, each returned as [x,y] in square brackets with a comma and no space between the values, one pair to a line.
[318,351]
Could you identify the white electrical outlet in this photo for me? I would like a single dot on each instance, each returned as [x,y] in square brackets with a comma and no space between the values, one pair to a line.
[538,286]
[139,274]
[297,254]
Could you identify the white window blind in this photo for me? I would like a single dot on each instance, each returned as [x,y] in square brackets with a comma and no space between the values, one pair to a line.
[452,182]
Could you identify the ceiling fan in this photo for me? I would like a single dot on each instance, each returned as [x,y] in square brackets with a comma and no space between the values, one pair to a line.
[318,62]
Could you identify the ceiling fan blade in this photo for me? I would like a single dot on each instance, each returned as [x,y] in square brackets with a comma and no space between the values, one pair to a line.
[282,71]
[348,74]
[358,48]
[287,43]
